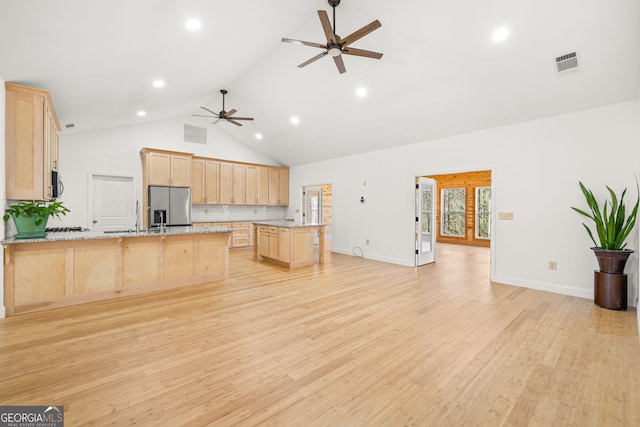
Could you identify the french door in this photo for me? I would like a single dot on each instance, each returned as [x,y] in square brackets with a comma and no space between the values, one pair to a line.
[425,221]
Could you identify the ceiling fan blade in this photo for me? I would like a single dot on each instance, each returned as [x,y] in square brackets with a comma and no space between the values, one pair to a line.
[214,122]
[234,122]
[326,26]
[340,64]
[231,113]
[315,58]
[357,35]
[361,52]
[201,115]
[242,118]
[215,114]
[312,44]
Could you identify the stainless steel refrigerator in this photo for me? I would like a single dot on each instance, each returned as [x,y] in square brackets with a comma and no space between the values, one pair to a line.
[169,206]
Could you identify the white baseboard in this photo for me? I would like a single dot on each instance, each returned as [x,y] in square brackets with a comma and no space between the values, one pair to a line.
[374,257]
[3,312]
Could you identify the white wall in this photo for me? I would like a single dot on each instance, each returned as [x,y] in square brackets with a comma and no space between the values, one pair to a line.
[536,168]
[117,152]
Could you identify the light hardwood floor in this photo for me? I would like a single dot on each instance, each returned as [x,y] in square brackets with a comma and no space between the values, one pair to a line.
[349,343]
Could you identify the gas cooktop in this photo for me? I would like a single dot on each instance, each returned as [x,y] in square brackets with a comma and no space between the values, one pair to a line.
[64,229]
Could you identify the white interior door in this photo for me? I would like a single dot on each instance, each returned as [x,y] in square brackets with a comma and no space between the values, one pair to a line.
[111,203]
[425,221]
[313,209]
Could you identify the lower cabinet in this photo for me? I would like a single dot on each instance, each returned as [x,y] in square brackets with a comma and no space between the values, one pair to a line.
[291,247]
[241,237]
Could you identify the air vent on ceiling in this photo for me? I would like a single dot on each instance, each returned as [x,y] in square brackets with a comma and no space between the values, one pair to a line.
[69,125]
[195,134]
[567,62]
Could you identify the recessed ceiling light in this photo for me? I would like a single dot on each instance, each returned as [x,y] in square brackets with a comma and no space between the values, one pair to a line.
[158,83]
[500,34]
[258,136]
[361,92]
[295,120]
[193,24]
[141,113]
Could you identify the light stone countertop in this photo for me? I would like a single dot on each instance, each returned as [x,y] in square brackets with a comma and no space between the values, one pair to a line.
[285,224]
[92,235]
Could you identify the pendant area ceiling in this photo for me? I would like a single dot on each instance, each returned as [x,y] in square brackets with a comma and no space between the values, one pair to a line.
[441,74]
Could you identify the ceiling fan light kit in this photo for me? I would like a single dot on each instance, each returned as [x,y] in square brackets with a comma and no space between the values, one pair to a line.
[337,46]
[224,115]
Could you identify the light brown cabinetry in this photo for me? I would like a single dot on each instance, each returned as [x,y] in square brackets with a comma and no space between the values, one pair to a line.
[31,143]
[278,186]
[291,247]
[232,183]
[241,237]
[166,168]
[257,185]
[205,184]
[45,275]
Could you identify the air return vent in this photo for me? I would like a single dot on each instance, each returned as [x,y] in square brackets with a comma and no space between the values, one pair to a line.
[567,62]
[195,134]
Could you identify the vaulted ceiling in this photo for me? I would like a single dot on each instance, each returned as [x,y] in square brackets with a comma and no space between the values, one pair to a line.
[441,73]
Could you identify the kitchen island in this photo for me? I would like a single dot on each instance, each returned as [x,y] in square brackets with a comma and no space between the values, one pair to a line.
[288,243]
[73,268]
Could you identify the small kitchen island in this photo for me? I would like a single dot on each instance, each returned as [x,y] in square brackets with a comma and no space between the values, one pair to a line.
[73,268]
[288,243]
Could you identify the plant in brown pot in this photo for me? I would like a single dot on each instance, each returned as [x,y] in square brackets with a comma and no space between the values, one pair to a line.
[613,223]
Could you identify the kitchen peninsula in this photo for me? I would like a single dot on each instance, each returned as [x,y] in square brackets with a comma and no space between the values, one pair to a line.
[288,243]
[73,268]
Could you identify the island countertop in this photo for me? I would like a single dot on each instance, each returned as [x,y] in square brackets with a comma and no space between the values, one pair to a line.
[285,224]
[92,235]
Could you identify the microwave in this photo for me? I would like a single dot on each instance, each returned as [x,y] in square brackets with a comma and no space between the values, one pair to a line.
[57,188]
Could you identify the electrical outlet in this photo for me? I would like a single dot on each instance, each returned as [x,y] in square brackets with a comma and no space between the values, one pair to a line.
[505,216]
[553,265]
[206,211]
[367,242]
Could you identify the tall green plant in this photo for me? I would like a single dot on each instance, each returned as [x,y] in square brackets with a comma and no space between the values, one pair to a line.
[612,224]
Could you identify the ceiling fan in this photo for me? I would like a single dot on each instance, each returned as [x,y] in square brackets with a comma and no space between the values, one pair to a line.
[224,115]
[337,46]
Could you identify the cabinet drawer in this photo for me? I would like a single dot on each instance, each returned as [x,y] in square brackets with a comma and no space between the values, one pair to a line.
[223,224]
[240,225]
[272,229]
[239,242]
[240,232]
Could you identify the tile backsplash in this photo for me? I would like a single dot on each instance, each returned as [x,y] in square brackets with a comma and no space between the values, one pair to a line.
[237,213]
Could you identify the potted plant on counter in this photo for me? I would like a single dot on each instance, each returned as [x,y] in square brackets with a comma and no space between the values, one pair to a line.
[31,218]
[613,223]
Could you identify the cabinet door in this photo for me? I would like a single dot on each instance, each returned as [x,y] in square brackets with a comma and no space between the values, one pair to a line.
[211,185]
[226,183]
[283,187]
[159,168]
[252,185]
[263,186]
[284,239]
[198,182]
[180,170]
[24,146]
[263,242]
[239,184]
[273,186]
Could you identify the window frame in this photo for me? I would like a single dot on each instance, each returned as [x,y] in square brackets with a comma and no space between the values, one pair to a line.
[479,213]
[462,214]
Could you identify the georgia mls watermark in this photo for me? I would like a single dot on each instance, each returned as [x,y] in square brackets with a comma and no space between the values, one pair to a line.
[31,416]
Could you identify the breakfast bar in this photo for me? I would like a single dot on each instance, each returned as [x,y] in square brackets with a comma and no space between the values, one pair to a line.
[288,243]
[72,268]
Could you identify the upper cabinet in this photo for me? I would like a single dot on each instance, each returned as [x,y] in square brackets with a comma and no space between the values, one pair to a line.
[233,178]
[205,185]
[166,168]
[278,186]
[257,185]
[31,143]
